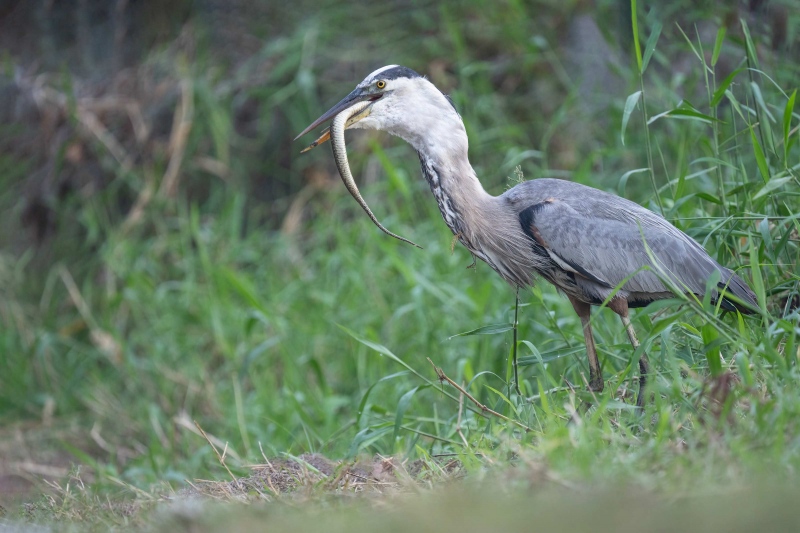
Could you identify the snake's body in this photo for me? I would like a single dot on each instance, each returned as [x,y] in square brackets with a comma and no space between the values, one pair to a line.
[340,157]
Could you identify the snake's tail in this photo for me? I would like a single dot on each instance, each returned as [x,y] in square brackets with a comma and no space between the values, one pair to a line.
[326,134]
[389,233]
[375,221]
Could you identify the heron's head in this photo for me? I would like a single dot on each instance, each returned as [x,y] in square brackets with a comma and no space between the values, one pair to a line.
[402,103]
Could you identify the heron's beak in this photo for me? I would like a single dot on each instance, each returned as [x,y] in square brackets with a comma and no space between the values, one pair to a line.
[346,102]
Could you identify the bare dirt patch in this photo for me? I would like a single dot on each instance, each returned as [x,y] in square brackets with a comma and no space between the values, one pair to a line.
[33,453]
[314,474]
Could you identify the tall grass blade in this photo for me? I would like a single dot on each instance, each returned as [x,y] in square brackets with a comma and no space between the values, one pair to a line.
[650,46]
[402,406]
[772,184]
[719,94]
[787,125]
[505,399]
[635,25]
[382,350]
[367,436]
[491,329]
[761,161]
[630,105]
[363,403]
[684,111]
[718,45]
[623,180]
[758,280]
[750,47]
[760,101]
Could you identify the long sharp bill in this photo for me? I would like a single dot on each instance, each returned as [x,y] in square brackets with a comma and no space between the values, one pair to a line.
[352,119]
[348,101]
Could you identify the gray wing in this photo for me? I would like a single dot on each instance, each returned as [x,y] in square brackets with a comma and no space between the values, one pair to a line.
[607,251]
[600,239]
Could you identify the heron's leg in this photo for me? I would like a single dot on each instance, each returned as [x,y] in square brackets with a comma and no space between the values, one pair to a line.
[595,375]
[620,306]
[514,348]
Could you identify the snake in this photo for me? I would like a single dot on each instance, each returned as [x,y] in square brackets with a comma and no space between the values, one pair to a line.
[338,125]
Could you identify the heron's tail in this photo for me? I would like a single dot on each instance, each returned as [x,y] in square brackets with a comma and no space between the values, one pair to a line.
[743,298]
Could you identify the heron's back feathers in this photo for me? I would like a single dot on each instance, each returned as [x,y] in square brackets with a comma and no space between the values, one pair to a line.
[597,242]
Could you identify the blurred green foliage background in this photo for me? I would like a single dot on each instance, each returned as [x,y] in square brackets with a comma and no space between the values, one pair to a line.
[168,256]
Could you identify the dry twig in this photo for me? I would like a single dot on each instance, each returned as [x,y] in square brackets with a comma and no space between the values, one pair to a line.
[220,457]
[181,126]
[443,377]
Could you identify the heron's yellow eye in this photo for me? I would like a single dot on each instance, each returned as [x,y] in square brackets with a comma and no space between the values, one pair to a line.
[381,84]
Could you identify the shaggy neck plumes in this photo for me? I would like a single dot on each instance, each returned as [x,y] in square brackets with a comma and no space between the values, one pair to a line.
[459,194]
[472,214]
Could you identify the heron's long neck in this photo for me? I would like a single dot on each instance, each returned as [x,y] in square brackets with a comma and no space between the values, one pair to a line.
[461,197]
[479,220]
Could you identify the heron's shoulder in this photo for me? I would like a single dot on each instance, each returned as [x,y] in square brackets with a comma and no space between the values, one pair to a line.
[553,188]
[582,199]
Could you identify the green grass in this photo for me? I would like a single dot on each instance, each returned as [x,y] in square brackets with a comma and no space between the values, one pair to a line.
[316,339]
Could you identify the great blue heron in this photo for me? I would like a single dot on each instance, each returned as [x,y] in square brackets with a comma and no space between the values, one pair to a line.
[590,244]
